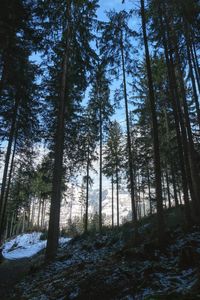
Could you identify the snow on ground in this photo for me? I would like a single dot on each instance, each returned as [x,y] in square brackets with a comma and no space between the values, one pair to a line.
[26,245]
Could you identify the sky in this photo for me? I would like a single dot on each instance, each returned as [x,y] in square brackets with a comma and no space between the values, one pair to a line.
[111,4]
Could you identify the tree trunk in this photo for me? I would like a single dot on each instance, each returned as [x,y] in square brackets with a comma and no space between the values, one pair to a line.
[42,213]
[100,173]
[39,212]
[117,191]
[177,116]
[143,203]
[33,212]
[174,186]
[6,166]
[54,219]
[112,182]
[87,193]
[192,152]
[187,39]
[195,65]
[8,185]
[157,166]
[149,190]
[129,146]
[168,188]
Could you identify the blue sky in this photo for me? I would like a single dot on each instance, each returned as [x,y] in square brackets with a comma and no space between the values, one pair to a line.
[111,4]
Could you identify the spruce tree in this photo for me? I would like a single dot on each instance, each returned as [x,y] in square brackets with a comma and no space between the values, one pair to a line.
[101,110]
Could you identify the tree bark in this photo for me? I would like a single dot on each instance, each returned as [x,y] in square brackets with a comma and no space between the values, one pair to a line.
[54,220]
[100,173]
[117,194]
[7,160]
[129,146]
[112,183]
[157,166]
[187,40]
[174,97]
[4,217]
[87,192]
[195,65]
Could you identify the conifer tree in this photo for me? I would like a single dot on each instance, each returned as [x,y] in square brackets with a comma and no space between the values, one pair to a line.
[70,60]
[116,47]
[101,110]
[157,164]
[114,160]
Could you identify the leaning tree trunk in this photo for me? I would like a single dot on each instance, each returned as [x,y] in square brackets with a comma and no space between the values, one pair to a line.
[157,166]
[54,219]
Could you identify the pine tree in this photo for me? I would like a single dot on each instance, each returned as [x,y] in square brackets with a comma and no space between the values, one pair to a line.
[68,82]
[114,160]
[101,110]
[157,165]
[116,46]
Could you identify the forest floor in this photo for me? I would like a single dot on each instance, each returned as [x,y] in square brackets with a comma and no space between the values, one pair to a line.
[110,266]
[11,273]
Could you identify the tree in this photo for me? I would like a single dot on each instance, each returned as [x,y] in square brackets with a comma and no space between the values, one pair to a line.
[69,56]
[101,110]
[114,160]
[116,49]
[157,165]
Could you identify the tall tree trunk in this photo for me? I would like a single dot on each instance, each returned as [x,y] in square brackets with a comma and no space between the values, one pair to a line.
[42,213]
[33,212]
[12,224]
[129,146]
[157,166]
[177,116]
[149,190]
[8,184]
[143,203]
[39,211]
[6,165]
[117,191]
[100,173]
[112,183]
[196,58]
[54,219]
[87,192]
[192,152]
[168,188]
[195,65]
[174,185]
[187,39]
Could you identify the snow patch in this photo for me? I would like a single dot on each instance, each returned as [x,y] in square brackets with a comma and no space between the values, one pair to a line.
[26,245]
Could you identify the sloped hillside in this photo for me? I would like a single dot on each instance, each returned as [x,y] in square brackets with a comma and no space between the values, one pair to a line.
[109,266]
